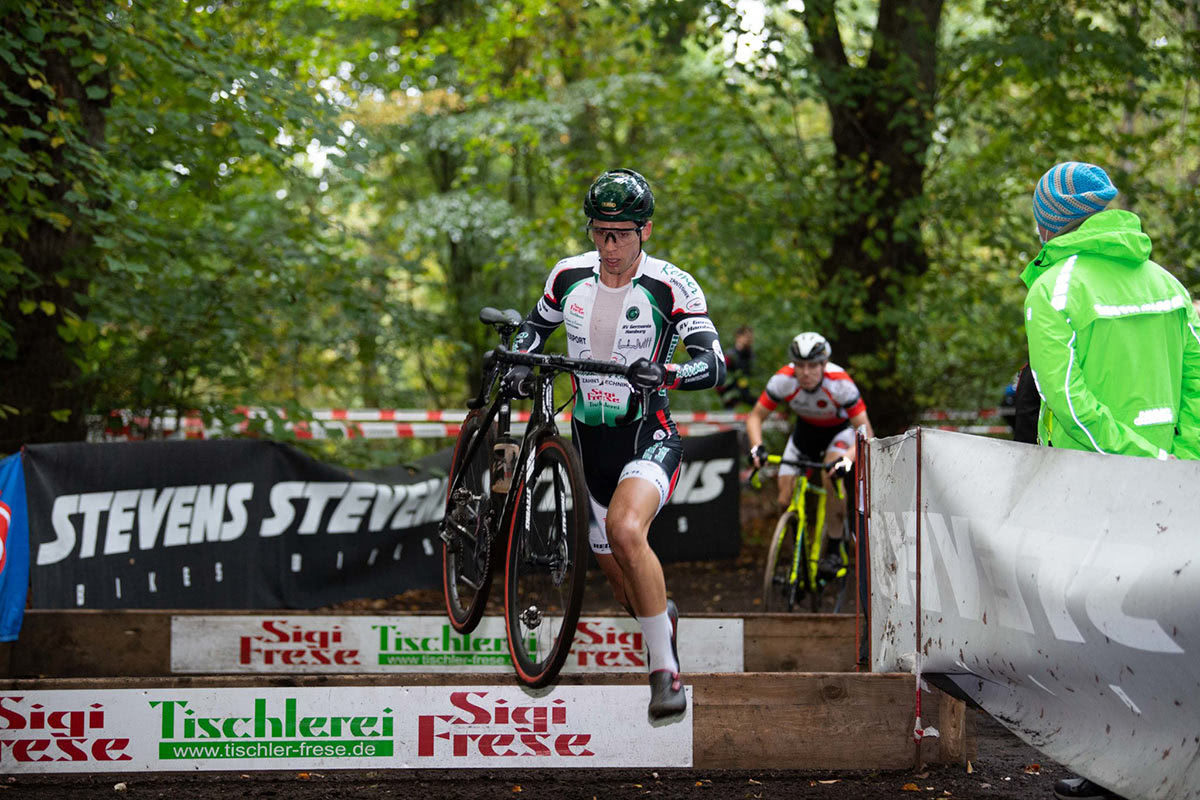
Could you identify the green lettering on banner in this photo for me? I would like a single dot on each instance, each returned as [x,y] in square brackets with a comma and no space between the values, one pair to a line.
[275,748]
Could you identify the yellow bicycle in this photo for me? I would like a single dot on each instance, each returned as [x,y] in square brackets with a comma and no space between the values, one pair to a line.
[795,568]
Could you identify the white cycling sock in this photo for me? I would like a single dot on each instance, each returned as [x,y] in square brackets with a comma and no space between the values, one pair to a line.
[657,630]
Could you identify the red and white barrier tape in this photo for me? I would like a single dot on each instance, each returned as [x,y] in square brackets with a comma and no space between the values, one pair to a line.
[410,423]
[369,423]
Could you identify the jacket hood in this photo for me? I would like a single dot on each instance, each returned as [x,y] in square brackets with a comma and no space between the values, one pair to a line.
[1114,234]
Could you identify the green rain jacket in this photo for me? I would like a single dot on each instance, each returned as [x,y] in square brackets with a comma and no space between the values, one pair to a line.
[1114,344]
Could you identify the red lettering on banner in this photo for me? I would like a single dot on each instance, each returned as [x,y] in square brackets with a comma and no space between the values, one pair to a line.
[524,730]
[277,646]
[57,735]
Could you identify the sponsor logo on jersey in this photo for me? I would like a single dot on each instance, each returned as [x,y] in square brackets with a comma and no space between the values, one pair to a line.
[821,404]
[630,343]
[633,313]
[659,435]
[576,309]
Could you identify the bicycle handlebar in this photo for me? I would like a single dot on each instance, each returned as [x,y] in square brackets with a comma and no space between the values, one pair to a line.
[645,375]
[756,482]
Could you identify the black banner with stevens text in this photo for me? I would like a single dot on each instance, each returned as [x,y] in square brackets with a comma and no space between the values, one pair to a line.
[259,525]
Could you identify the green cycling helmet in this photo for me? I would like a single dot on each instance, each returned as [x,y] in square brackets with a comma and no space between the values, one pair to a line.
[619,195]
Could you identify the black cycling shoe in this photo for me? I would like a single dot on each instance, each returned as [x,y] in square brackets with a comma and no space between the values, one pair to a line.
[667,696]
[829,566]
[1082,789]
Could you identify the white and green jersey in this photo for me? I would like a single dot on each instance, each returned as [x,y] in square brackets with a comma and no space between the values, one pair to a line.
[663,306]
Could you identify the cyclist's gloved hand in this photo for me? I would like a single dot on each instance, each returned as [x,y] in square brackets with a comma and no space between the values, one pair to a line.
[647,374]
[758,456]
[518,381]
[842,467]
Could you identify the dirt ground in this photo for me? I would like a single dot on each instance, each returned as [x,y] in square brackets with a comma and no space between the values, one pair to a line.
[1004,768]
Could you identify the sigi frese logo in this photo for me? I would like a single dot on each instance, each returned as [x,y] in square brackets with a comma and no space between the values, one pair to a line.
[280,643]
[286,733]
[602,644]
[485,724]
[29,731]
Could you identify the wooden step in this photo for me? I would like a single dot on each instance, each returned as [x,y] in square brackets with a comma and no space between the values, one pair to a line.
[798,720]
[98,643]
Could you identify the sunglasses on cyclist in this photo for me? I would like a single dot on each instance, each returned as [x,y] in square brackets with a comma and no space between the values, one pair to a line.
[620,236]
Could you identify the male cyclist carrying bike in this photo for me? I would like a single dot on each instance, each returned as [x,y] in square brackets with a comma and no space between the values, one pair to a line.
[828,408]
[619,303]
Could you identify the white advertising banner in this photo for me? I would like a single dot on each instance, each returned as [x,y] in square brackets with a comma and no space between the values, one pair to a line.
[309,644]
[349,727]
[1058,589]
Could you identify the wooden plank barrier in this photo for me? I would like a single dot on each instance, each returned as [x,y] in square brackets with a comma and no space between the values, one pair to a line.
[797,720]
[99,643]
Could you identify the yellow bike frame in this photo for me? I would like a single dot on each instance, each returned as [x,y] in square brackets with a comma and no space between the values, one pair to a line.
[801,487]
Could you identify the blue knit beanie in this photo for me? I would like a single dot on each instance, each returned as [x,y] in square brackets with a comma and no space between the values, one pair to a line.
[1070,192]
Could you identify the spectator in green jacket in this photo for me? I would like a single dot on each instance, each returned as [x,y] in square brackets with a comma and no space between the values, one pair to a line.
[1114,341]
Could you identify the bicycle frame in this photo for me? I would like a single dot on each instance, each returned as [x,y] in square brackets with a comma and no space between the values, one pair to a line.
[802,488]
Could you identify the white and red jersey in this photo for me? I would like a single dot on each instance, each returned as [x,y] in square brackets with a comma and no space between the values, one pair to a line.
[831,404]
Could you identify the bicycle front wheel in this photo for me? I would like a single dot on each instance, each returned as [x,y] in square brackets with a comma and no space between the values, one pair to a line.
[467,546]
[780,580]
[547,561]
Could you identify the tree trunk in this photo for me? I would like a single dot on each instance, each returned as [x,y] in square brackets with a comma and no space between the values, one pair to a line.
[39,375]
[881,123]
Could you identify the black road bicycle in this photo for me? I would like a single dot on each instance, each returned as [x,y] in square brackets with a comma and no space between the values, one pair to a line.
[524,502]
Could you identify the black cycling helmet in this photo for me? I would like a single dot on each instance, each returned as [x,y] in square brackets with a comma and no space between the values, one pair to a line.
[619,195]
[809,346]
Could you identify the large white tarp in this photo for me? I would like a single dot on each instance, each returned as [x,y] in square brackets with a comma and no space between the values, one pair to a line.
[1059,589]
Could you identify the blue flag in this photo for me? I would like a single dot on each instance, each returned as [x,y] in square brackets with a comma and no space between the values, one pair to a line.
[14,548]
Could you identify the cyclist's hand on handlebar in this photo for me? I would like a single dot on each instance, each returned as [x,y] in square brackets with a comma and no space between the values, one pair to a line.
[758,456]
[842,467]
[646,374]
[518,381]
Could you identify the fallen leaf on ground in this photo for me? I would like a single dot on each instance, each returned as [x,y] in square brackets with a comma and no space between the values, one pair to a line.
[756,783]
[1033,769]
[910,787]
[970,769]
[518,789]
[302,776]
[827,782]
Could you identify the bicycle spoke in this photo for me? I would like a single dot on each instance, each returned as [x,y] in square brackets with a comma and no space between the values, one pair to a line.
[466,530]
[546,566]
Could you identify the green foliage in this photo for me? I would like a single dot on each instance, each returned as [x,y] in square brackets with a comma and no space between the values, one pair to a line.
[295,204]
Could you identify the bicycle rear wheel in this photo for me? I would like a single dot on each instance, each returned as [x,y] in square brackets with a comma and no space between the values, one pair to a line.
[779,590]
[467,528]
[547,561]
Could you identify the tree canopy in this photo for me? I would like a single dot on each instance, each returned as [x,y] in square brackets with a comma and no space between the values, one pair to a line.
[295,204]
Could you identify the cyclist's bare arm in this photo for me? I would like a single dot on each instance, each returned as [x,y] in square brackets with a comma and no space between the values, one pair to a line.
[860,420]
[754,425]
